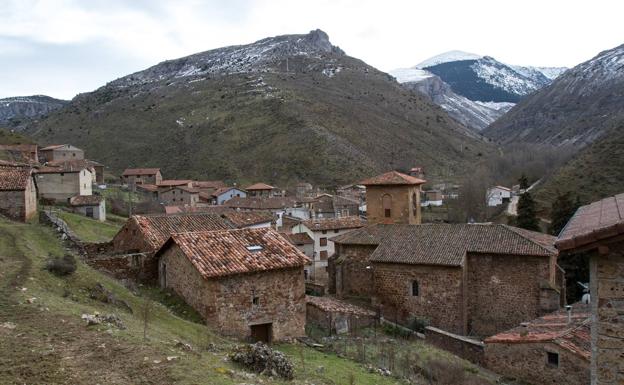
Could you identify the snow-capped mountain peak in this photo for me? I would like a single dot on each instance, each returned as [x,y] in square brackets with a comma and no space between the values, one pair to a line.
[447,57]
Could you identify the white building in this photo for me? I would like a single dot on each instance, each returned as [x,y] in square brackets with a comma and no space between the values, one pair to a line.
[498,195]
[222,195]
[321,230]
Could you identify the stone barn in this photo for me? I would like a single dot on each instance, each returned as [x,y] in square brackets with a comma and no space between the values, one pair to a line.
[467,279]
[246,283]
[91,206]
[553,349]
[336,316]
[598,229]
[18,192]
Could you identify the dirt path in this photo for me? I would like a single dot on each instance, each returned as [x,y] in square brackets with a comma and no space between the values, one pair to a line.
[40,347]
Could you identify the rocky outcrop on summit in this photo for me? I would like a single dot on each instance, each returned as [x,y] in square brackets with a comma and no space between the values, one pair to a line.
[576,109]
[15,109]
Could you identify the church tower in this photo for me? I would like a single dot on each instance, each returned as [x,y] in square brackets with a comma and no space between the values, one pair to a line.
[393,198]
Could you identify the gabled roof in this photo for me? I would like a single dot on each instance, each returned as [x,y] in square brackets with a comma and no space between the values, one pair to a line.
[247,218]
[147,187]
[209,209]
[158,228]
[446,244]
[392,178]
[208,184]
[223,190]
[500,187]
[174,182]
[594,222]
[85,200]
[14,178]
[573,336]
[227,252]
[259,186]
[262,203]
[73,164]
[59,146]
[299,239]
[64,168]
[334,223]
[140,171]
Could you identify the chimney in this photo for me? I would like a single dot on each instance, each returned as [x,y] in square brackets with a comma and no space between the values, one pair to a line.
[569,310]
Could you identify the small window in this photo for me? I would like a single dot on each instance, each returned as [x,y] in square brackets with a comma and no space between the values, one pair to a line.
[323,255]
[324,231]
[336,231]
[553,359]
[387,213]
[255,301]
[323,241]
[254,247]
[73,154]
[415,291]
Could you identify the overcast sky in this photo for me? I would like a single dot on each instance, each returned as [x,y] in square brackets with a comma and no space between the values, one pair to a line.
[61,48]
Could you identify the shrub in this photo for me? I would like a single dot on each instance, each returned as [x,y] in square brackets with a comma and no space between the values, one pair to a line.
[262,359]
[419,324]
[446,373]
[61,266]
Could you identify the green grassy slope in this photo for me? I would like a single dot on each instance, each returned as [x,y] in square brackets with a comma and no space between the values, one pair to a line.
[90,230]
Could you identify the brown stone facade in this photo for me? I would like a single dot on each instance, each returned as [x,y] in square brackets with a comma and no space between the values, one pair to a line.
[504,290]
[348,273]
[233,304]
[20,205]
[607,290]
[402,201]
[529,362]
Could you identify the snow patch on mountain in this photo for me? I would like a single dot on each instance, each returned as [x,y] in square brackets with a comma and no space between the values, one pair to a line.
[404,75]
[447,57]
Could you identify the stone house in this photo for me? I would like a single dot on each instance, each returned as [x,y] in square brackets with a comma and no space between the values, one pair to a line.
[321,231]
[336,316]
[91,206]
[246,283]
[498,195]
[26,153]
[467,279]
[18,192]
[96,169]
[330,206]
[136,176]
[224,194]
[179,196]
[303,189]
[553,349]
[59,183]
[598,230]
[261,190]
[279,206]
[393,197]
[356,192]
[60,153]
[148,191]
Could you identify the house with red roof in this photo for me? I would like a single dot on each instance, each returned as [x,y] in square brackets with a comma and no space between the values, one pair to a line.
[135,176]
[18,192]
[260,190]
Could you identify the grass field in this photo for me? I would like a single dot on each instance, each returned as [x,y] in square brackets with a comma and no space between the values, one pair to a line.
[92,230]
[43,339]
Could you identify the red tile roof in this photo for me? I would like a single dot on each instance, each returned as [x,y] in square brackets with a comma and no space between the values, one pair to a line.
[14,178]
[158,228]
[299,238]
[52,147]
[446,244]
[140,171]
[333,305]
[573,336]
[197,209]
[174,182]
[85,200]
[223,190]
[247,218]
[392,178]
[259,186]
[334,223]
[594,222]
[208,184]
[253,203]
[73,164]
[147,187]
[227,252]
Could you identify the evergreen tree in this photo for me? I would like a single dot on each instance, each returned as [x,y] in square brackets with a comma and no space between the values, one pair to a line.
[562,210]
[524,182]
[527,215]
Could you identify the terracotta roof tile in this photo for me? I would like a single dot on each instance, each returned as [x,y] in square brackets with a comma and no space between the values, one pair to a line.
[174,182]
[140,171]
[554,327]
[85,200]
[446,244]
[596,221]
[259,186]
[333,305]
[392,178]
[76,164]
[299,239]
[147,187]
[209,209]
[247,218]
[208,184]
[14,178]
[334,223]
[158,228]
[228,252]
[253,203]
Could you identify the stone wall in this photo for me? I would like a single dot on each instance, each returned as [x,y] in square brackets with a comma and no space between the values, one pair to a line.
[439,299]
[607,288]
[228,304]
[461,346]
[130,238]
[347,271]
[528,362]
[504,290]
[62,186]
[126,266]
[405,206]
[336,322]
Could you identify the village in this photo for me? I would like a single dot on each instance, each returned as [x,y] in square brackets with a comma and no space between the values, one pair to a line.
[260,263]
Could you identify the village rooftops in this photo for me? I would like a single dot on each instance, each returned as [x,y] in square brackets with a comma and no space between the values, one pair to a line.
[299,239]
[64,167]
[392,178]
[223,190]
[261,203]
[85,200]
[334,223]
[74,164]
[208,184]
[147,187]
[222,253]
[247,218]
[594,222]
[158,228]
[140,171]
[333,305]
[199,208]
[174,182]
[446,244]
[259,186]
[573,335]
[14,178]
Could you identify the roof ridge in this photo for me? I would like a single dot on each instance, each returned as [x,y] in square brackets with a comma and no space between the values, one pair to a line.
[510,228]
